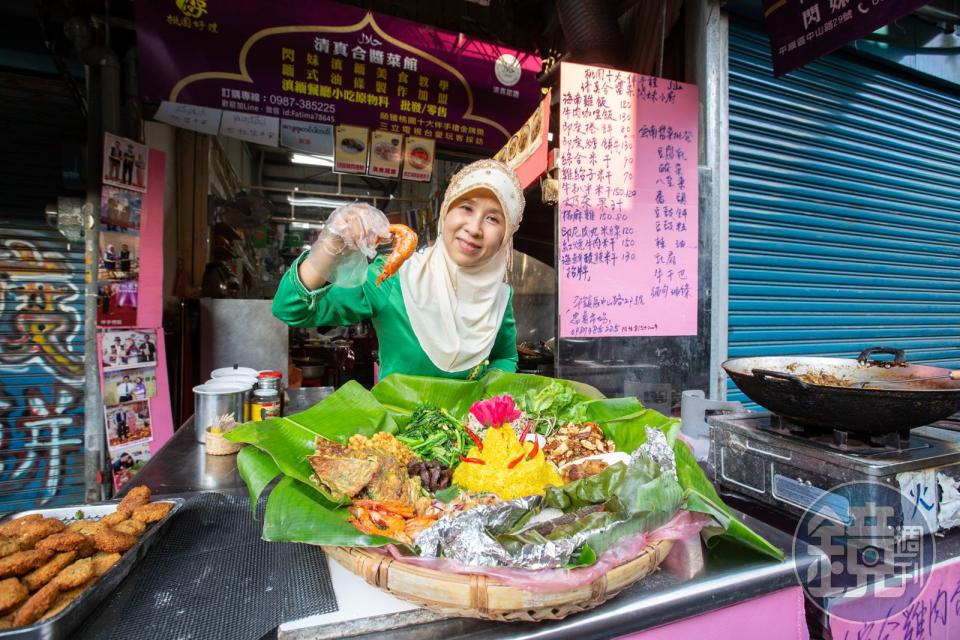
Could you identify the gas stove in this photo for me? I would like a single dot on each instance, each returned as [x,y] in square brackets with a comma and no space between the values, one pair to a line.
[761,457]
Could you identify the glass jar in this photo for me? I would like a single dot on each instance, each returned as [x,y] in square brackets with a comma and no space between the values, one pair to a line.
[265,405]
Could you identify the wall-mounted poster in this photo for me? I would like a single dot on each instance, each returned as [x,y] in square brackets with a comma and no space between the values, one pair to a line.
[119,256]
[120,210]
[129,385]
[526,151]
[128,349]
[117,303]
[418,159]
[124,163]
[386,154]
[128,424]
[351,148]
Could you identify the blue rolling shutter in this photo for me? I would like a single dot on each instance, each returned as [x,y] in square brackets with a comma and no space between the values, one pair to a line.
[844,210]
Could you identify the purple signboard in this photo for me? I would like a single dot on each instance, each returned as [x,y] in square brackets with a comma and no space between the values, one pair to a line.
[320,61]
[803,30]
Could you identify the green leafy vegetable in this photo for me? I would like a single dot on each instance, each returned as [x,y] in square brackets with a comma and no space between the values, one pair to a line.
[433,433]
[551,407]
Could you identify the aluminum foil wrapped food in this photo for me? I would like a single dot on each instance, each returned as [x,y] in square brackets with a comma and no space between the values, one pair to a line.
[657,448]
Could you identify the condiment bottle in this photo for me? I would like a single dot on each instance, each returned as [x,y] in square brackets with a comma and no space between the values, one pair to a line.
[272,380]
[266,404]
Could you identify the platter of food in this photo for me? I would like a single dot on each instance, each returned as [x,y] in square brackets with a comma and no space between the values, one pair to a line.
[59,564]
[515,497]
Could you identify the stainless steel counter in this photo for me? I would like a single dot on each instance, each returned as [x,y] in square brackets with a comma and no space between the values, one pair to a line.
[731,575]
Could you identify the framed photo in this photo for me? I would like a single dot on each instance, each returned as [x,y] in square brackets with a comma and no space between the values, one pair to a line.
[128,424]
[120,210]
[129,385]
[126,462]
[124,163]
[128,349]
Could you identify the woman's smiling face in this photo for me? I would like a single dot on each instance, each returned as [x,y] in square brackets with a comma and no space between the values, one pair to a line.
[473,228]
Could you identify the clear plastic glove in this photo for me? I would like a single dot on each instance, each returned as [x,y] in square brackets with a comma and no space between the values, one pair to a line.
[349,238]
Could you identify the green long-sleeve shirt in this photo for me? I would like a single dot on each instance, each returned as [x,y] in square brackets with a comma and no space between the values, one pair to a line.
[400,351]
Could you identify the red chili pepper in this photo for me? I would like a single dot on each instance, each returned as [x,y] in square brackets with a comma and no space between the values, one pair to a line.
[474,437]
[536,447]
[523,434]
[516,460]
[471,460]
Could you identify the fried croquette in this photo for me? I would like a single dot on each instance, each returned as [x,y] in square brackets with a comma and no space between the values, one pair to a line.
[102,561]
[87,549]
[17,564]
[63,541]
[39,577]
[12,528]
[65,598]
[118,516]
[136,497]
[8,546]
[88,528]
[31,610]
[75,575]
[33,532]
[133,527]
[152,512]
[109,540]
[12,593]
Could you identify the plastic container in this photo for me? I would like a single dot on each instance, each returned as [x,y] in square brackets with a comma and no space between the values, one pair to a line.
[214,399]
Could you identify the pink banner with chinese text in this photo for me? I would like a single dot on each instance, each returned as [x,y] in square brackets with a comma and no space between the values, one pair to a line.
[628,211]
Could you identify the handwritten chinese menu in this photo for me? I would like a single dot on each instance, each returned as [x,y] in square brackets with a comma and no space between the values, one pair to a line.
[628,244]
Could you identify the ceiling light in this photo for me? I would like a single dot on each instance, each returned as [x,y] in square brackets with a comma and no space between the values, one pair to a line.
[306,158]
[329,203]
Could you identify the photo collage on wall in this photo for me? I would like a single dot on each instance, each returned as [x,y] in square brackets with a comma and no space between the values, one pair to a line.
[128,365]
[124,182]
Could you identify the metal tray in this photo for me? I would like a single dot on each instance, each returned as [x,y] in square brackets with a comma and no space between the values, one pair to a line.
[62,624]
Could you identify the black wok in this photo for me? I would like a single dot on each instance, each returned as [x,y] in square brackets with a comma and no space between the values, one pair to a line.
[851,395]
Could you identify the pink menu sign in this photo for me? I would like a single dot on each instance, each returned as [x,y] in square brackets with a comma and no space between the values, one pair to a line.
[628,243]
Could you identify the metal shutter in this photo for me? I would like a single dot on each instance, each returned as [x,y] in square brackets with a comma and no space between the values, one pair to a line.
[41,308]
[844,211]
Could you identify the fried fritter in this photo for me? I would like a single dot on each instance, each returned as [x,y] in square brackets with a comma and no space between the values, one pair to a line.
[87,549]
[133,527]
[33,532]
[6,622]
[12,528]
[118,516]
[75,575]
[31,610]
[63,541]
[109,540]
[8,546]
[39,577]
[136,497]
[86,527]
[102,561]
[12,593]
[17,564]
[152,512]
[65,598]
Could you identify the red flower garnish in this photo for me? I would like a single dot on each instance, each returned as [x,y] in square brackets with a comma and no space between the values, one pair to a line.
[495,411]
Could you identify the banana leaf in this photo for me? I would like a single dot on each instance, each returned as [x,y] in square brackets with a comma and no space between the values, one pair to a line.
[299,509]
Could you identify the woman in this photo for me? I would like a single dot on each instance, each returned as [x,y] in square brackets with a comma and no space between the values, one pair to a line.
[447,312]
[139,389]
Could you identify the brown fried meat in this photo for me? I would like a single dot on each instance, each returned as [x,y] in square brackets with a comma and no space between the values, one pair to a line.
[76,574]
[136,497]
[12,593]
[63,541]
[17,564]
[110,540]
[31,610]
[39,577]
[152,512]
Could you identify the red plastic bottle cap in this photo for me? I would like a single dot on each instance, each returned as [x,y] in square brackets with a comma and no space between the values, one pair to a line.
[270,374]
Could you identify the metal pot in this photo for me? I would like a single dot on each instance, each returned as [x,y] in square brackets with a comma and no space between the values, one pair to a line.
[311,367]
[849,395]
[214,399]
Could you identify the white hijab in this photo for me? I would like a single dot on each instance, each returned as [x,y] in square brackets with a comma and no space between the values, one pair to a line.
[456,312]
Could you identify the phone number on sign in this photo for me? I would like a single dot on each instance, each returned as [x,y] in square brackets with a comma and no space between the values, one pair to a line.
[310,105]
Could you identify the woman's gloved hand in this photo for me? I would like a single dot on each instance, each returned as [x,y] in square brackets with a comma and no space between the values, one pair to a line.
[348,239]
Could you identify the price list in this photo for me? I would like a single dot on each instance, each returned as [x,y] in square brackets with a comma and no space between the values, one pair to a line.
[628,243]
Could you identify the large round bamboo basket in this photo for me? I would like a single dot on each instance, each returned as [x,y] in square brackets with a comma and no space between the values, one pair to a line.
[478,596]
